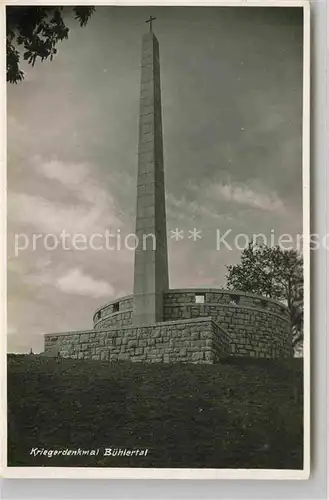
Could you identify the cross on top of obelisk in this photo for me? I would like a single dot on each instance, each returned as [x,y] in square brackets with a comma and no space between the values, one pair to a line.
[150,21]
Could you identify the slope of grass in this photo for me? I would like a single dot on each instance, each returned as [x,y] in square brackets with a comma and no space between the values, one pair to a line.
[241,413]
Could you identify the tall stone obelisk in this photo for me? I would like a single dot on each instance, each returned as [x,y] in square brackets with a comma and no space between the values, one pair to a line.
[151,261]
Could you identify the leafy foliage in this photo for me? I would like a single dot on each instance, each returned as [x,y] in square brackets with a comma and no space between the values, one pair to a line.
[37,30]
[274,273]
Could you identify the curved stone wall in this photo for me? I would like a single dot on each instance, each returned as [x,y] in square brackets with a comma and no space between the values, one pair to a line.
[257,326]
[115,313]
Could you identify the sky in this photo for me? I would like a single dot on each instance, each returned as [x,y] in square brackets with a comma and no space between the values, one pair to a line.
[231,81]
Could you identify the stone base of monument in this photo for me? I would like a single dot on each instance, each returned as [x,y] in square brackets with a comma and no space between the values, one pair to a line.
[198,340]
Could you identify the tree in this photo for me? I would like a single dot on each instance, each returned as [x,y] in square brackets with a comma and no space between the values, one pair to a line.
[37,30]
[274,273]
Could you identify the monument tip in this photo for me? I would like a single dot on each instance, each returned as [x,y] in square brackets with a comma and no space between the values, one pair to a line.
[150,21]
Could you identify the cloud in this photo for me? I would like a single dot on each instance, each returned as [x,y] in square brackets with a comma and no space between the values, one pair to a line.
[90,207]
[247,196]
[76,282]
[73,280]
[79,179]
[206,197]
[49,217]
[71,175]
[181,208]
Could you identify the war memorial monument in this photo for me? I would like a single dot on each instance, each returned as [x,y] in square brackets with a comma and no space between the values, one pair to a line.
[157,323]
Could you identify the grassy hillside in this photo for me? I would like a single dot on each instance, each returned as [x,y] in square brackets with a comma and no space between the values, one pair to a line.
[244,413]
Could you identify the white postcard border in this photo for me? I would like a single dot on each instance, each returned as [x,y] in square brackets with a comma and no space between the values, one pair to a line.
[177,473]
